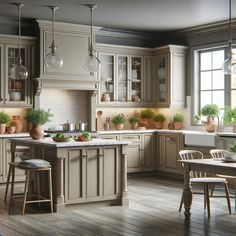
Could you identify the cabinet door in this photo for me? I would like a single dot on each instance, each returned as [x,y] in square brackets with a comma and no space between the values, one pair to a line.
[1,75]
[136,78]
[148,152]
[16,89]
[163,77]
[149,81]
[107,78]
[134,162]
[122,79]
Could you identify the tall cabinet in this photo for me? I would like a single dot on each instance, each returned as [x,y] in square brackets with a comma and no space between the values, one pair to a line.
[16,92]
[125,76]
[171,76]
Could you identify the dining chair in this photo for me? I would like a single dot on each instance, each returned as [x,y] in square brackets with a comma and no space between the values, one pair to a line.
[200,178]
[218,154]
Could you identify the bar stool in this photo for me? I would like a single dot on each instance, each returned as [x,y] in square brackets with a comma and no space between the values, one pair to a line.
[28,169]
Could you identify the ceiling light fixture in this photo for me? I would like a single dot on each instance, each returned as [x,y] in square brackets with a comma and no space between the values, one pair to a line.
[92,63]
[229,65]
[52,60]
[17,70]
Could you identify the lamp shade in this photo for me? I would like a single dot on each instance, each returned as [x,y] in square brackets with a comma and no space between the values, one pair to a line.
[18,71]
[53,61]
[92,63]
[229,66]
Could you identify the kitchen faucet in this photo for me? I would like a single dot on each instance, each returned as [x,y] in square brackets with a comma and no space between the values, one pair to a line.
[219,125]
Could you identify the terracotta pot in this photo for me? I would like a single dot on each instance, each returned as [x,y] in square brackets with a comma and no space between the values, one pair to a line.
[36,132]
[11,129]
[144,123]
[210,126]
[17,123]
[3,128]
[119,126]
[134,125]
[158,125]
[178,125]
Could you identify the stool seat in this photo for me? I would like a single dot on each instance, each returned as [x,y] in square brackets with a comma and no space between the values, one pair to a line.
[28,168]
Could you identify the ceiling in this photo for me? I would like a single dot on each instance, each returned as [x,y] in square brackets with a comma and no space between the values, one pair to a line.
[138,15]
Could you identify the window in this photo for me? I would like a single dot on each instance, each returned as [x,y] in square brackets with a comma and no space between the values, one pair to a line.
[211,86]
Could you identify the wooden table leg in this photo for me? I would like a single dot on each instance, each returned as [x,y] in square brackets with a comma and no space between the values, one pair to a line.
[125,199]
[187,194]
[60,201]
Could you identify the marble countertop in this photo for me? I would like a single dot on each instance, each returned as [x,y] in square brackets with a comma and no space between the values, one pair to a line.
[72,143]
[14,135]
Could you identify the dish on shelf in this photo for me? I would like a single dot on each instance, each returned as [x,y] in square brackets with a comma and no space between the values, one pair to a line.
[65,139]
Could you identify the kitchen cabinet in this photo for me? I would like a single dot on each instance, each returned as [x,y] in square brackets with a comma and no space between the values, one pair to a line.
[126,76]
[92,174]
[14,92]
[5,158]
[171,76]
[141,150]
[224,142]
[169,145]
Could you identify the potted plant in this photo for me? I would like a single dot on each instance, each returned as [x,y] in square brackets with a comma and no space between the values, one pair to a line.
[232,151]
[230,117]
[119,121]
[210,111]
[158,121]
[178,121]
[4,121]
[133,120]
[197,118]
[145,117]
[37,117]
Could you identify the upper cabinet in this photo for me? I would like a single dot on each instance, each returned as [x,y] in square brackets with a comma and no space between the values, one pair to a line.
[72,42]
[123,77]
[171,76]
[16,92]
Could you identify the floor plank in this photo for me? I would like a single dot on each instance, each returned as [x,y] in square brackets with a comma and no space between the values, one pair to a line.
[153,210]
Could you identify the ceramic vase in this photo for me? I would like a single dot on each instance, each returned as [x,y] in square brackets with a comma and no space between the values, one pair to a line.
[36,132]
[134,125]
[119,126]
[17,123]
[144,123]
[2,128]
[158,125]
[178,125]
[11,129]
[210,126]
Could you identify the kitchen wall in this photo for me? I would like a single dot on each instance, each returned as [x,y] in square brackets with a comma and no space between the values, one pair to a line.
[71,105]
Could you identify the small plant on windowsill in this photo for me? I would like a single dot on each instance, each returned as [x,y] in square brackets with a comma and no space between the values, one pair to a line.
[158,121]
[230,117]
[119,121]
[197,119]
[232,151]
[4,121]
[145,117]
[133,120]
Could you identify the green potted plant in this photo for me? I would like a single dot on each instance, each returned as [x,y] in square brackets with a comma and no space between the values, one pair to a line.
[145,117]
[4,121]
[158,121]
[210,111]
[37,118]
[197,118]
[119,121]
[178,121]
[133,120]
[230,117]
[232,151]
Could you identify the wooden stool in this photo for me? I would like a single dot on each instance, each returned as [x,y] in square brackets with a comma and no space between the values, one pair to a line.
[36,170]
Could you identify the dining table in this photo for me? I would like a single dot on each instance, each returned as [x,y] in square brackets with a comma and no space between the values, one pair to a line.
[219,166]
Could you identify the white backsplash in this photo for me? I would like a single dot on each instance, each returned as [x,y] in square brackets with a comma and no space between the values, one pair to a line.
[71,105]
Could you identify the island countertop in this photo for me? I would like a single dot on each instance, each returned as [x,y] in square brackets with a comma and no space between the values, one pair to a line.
[49,142]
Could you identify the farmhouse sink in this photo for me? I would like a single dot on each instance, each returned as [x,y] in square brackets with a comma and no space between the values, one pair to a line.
[197,138]
[226,134]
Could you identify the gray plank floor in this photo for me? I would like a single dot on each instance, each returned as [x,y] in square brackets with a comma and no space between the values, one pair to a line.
[153,210]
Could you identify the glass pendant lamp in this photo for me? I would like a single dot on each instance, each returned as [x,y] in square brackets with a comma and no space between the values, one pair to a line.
[229,65]
[92,63]
[17,70]
[53,60]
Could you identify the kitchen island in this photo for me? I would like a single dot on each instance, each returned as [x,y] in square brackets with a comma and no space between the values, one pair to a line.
[82,172]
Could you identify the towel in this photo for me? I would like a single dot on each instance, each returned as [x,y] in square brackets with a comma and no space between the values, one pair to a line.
[34,163]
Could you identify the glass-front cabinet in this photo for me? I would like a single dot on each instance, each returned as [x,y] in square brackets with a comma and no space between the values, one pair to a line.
[121,79]
[16,92]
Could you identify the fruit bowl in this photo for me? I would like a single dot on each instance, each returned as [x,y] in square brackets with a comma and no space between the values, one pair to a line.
[77,139]
[65,139]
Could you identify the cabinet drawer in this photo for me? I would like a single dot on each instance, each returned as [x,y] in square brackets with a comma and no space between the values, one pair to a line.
[131,137]
[110,136]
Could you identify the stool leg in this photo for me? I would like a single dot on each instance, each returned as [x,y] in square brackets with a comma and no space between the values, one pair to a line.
[228,198]
[8,181]
[50,188]
[38,186]
[12,188]
[208,200]
[26,190]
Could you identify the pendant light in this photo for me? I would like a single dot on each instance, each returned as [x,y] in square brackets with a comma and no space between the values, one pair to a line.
[229,65]
[17,70]
[52,60]
[92,63]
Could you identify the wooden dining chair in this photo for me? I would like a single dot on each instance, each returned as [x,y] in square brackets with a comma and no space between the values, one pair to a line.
[198,177]
[218,154]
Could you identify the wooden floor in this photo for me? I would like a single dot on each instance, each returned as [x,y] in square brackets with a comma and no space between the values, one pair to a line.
[153,210]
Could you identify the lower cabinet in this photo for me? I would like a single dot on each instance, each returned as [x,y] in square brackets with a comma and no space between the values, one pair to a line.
[91,174]
[169,146]
[5,157]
